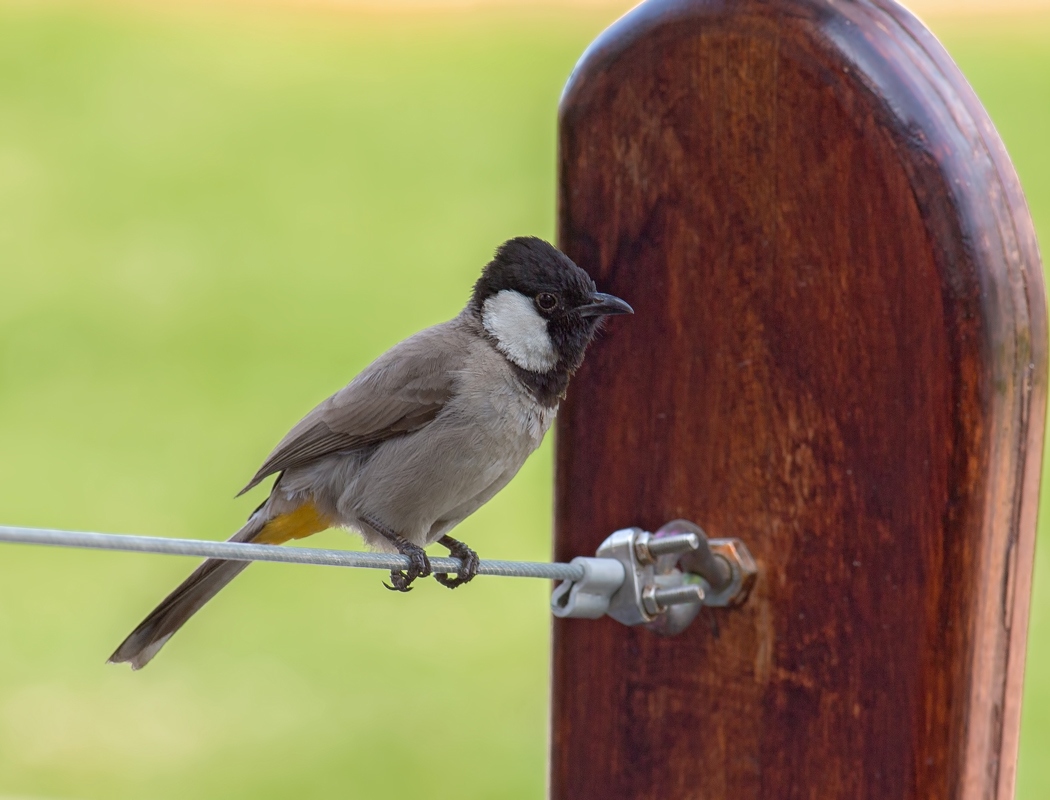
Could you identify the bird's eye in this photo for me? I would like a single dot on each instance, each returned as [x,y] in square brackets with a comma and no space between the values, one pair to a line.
[546,301]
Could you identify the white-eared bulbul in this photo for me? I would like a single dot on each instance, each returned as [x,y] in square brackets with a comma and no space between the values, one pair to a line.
[425,435]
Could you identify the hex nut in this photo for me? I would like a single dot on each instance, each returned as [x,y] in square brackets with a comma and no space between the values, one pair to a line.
[745,571]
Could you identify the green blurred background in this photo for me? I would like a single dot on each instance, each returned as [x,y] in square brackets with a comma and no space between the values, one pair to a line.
[211,219]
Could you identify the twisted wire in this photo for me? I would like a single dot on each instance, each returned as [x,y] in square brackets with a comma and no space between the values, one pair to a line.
[241,551]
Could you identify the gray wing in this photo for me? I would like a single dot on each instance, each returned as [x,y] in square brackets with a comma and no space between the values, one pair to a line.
[401,391]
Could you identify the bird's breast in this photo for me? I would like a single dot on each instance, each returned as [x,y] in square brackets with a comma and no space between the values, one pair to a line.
[517,415]
[535,420]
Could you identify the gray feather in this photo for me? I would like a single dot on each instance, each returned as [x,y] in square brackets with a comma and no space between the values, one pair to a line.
[400,392]
[174,610]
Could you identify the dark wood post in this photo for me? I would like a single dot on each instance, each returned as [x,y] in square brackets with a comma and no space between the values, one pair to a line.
[839,355]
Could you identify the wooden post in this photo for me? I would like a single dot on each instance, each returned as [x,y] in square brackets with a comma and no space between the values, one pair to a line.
[839,354]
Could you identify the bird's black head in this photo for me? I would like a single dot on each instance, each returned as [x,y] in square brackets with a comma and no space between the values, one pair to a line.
[540,309]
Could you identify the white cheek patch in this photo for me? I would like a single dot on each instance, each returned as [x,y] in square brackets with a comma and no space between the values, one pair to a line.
[520,332]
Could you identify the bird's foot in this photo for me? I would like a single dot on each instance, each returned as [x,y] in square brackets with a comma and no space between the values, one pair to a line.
[467,557]
[418,568]
[419,564]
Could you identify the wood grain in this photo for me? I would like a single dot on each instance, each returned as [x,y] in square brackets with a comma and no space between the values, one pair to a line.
[839,354]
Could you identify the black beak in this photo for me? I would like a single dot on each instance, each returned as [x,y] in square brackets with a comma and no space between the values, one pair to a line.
[604,305]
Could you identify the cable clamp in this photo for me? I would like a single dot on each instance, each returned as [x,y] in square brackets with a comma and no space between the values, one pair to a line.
[658,580]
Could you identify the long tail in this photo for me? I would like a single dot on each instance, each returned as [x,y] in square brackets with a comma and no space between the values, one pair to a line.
[154,631]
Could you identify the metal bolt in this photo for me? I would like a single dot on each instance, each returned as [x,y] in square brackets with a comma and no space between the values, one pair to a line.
[648,548]
[657,600]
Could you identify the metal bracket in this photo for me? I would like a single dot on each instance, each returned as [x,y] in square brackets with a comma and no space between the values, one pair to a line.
[659,580]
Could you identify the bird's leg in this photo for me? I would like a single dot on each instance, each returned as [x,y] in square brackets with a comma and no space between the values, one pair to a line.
[419,566]
[467,557]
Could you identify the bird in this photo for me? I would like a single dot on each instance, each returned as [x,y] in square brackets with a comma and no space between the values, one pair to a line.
[424,436]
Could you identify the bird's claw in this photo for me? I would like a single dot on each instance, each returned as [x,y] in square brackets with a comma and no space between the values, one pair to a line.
[419,567]
[468,558]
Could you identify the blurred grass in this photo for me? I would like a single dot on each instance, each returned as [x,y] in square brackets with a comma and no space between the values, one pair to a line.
[208,221]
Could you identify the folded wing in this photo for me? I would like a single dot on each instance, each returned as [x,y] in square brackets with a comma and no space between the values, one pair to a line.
[402,391]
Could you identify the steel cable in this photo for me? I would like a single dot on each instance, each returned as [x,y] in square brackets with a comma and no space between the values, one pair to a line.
[240,551]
